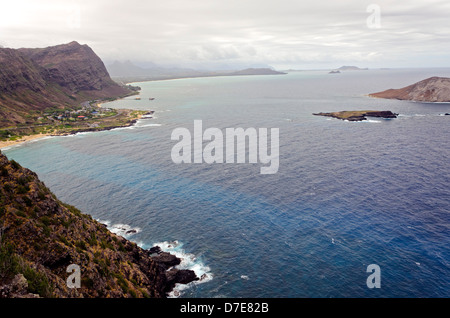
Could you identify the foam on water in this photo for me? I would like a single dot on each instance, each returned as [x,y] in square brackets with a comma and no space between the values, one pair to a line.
[140,124]
[124,230]
[188,261]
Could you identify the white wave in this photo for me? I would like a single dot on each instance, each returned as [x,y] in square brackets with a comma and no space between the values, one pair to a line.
[76,134]
[419,115]
[137,126]
[188,261]
[124,230]
[363,121]
[148,125]
[124,128]
[245,277]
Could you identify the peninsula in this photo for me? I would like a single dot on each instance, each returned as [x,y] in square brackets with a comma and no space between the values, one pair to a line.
[433,89]
[358,115]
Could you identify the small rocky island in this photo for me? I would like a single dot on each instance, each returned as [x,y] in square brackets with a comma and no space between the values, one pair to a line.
[359,115]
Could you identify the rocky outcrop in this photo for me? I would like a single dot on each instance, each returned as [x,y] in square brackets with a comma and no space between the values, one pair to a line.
[58,76]
[40,237]
[359,115]
[433,89]
[179,276]
[174,276]
[16,288]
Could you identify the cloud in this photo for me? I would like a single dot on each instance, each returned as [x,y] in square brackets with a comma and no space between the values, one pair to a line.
[283,32]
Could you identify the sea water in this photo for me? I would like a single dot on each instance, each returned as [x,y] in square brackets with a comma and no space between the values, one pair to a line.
[346,194]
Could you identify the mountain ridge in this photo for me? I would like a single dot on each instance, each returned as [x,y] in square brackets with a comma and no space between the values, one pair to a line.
[129,72]
[65,75]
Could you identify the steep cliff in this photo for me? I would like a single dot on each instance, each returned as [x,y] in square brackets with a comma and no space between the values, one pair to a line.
[433,89]
[40,237]
[57,76]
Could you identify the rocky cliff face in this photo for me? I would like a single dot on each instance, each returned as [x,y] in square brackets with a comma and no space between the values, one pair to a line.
[73,66]
[41,236]
[57,76]
[433,89]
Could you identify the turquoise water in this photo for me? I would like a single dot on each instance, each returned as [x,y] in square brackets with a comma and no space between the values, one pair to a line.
[346,195]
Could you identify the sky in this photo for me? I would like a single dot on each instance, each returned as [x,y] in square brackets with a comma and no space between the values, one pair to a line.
[218,34]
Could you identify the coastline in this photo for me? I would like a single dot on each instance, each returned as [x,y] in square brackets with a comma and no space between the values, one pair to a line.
[135,80]
[27,138]
[82,241]
[24,139]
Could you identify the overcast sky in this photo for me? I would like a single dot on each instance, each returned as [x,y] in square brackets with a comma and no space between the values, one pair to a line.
[302,34]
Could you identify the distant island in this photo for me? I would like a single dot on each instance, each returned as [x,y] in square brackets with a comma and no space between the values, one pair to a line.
[255,71]
[351,68]
[433,89]
[359,115]
[127,72]
[347,68]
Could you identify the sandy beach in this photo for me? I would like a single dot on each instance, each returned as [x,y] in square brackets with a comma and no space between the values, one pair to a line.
[4,144]
[131,122]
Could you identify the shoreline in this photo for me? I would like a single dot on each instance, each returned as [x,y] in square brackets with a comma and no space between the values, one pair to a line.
[27,138]
[131,80]
[24,139]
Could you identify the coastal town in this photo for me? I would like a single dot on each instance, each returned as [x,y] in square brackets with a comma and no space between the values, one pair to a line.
[89,110]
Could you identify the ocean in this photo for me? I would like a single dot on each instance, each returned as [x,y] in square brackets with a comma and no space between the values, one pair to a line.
[346,194]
